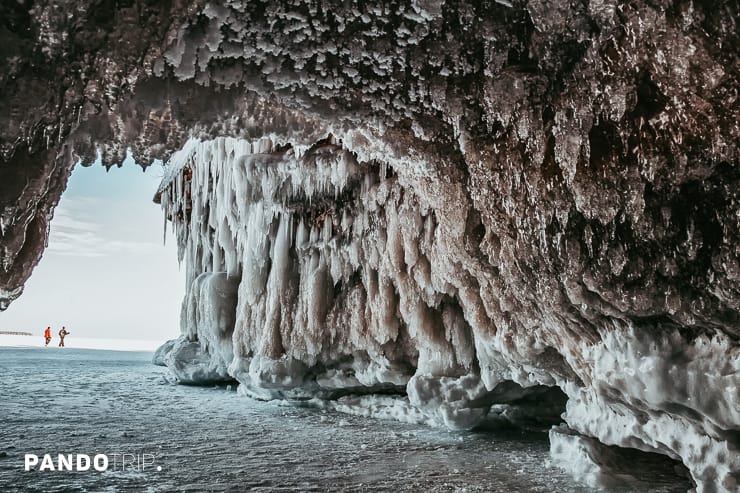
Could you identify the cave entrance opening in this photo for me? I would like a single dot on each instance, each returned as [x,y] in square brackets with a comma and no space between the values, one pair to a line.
[536,408]
[106,275]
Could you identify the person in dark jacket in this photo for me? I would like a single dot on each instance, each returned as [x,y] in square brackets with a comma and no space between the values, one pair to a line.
[62,334]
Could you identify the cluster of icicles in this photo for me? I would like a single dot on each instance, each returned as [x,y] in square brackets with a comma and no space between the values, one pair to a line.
[313,276]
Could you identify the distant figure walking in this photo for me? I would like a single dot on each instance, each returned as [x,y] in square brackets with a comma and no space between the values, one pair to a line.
[47,336]
[62,334]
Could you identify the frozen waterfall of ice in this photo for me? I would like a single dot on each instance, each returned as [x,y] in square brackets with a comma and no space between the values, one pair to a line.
[314,272]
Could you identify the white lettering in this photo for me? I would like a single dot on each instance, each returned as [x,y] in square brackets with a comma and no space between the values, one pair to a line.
[31,460]
[100,462]
[80,467]
[84,462]
[46,463]
[64,462]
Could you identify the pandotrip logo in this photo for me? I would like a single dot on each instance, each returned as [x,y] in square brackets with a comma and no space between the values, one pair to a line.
[139,462]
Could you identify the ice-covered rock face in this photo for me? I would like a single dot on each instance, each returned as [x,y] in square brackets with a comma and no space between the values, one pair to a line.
[352,281]
[463,202]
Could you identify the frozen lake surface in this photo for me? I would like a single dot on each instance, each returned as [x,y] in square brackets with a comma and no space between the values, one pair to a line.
[211,439]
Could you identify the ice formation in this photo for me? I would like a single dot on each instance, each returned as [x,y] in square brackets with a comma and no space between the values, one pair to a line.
[314,274]
[424,210]
[159,355]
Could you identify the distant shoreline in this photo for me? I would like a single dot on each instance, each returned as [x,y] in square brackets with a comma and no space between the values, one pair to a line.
[14,333]
[8,339]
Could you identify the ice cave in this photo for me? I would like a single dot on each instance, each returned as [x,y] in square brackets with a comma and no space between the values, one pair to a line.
[423,210]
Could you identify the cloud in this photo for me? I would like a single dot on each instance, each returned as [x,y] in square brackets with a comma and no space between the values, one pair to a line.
[74,232]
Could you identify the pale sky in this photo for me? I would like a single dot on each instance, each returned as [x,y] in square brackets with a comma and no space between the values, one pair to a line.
[105,273]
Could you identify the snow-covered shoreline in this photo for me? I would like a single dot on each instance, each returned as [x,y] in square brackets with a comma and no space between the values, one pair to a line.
[79,343]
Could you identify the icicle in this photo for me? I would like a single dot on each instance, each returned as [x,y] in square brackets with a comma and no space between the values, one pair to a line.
[290,229]
[164,201]
[327,229]
[301,234]
[346,223]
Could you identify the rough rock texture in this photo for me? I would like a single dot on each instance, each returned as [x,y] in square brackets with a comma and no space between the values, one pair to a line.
[465,202]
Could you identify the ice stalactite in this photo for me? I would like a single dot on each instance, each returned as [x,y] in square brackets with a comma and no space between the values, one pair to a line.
[334,294]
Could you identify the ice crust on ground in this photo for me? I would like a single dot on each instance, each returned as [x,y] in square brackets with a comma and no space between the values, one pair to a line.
[315,274]
[74,341]
[209,438]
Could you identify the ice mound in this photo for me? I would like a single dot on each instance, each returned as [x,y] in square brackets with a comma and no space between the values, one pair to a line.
[456,403]
[192,365]
[603,467]
[162,351]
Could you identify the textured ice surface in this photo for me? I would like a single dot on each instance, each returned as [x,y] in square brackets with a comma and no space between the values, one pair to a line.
[191,364]
[597,465]
[314,274]
[675,398]
[211,439]
[162,351]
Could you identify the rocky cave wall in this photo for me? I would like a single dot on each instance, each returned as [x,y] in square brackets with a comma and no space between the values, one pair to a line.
[461,202]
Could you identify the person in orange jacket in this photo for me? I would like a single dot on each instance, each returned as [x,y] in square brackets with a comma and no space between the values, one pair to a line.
[47,336]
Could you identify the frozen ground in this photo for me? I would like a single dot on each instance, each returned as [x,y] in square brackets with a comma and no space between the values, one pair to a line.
[211,439]
[72,341]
